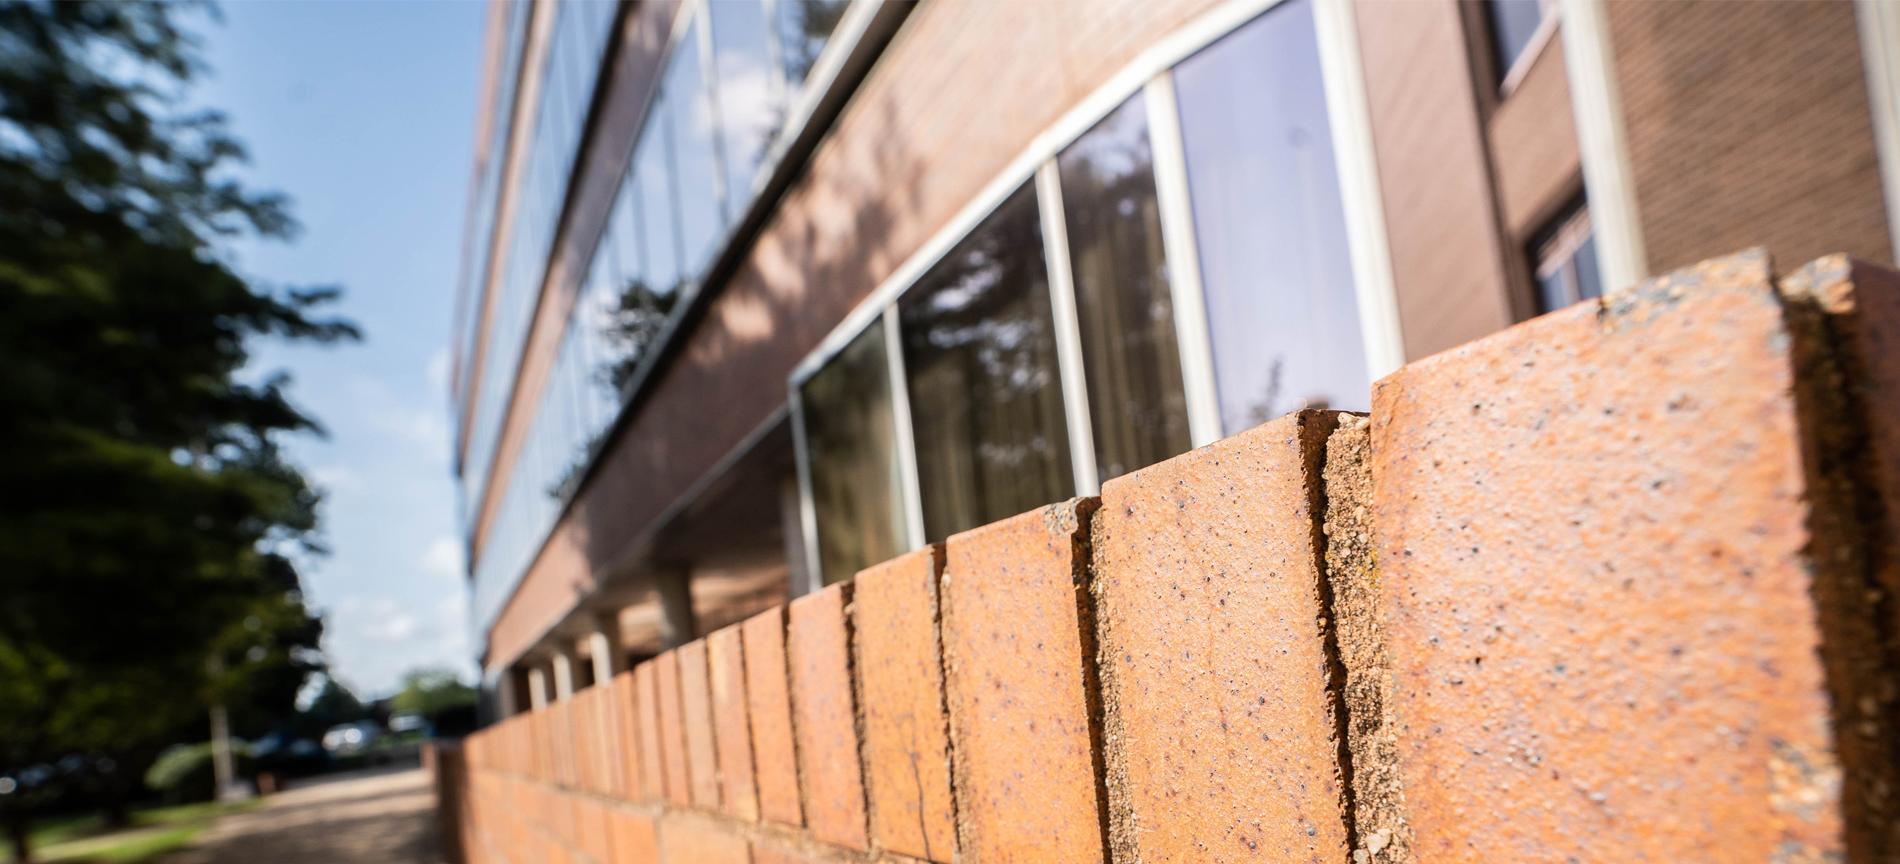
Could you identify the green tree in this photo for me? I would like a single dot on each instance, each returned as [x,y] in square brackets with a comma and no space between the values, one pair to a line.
[149,510]
[430,692]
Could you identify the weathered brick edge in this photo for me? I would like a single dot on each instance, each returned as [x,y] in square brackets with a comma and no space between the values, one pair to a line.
[527,789]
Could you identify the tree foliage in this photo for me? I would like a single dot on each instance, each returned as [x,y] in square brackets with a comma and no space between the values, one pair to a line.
[150,519]
[430,692]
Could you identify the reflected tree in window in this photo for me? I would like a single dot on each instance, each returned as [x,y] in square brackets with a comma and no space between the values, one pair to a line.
[985,393]
[803,28]
[1124,311]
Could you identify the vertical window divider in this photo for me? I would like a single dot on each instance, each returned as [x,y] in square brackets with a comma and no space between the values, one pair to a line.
[905,434]
[807,511]
[1184,261]
[709,103]
[1075,393]
[1342,75]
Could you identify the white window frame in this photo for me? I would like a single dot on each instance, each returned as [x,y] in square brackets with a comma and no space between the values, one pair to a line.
[1149,76]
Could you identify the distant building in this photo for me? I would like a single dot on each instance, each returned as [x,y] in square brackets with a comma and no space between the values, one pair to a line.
[759,292]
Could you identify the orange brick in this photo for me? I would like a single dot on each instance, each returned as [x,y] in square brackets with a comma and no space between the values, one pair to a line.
[651,783]
[1018,689]
[672,729]
[769,703]
[1593,536]
[560,732]
[691,837]
[817,650]
[591,830]
[725,660]
[635,838]
[1214,667]
[702,766]
[774,854]
[626,730]
[906,732]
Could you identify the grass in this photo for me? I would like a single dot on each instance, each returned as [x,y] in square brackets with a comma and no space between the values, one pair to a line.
[153,832]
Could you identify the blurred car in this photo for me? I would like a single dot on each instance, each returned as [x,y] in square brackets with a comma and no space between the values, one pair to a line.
[351,739]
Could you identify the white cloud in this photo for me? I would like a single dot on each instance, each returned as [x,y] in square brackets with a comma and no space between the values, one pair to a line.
[442,560]
[437,371]
[337,478]
[373,640]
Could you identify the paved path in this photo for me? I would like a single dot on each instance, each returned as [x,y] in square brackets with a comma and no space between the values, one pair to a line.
[366,817]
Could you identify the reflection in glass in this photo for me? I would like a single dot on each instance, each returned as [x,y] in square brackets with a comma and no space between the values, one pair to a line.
[803,26]
[1565,253]
[1282,317]
[985,395]
[696,175]
[748,95]
[855,490]
[1514,24]
[1137,406]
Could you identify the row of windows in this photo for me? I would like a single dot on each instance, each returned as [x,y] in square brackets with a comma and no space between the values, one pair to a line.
[728,79]
[579,39]
[487,193]
[971,352]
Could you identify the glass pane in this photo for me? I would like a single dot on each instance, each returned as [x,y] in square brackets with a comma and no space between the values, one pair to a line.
[985,396]
[853,459]
[1137,406]
[748,95]
[1589,284]
[1513,23]
[803,27]
[695,168]
[1282,318]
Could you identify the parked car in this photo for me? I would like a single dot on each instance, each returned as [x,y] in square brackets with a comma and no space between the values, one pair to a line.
[351,739]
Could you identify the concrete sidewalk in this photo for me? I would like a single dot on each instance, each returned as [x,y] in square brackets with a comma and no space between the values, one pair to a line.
[371,817]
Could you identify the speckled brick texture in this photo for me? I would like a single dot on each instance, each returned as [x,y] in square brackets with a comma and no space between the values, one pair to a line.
[769,701]
[1845,316]
[696,719]
[906,729]
[1618,584]
[817,649]
[725,660]
[1594,549]
[1223,739]
[1016,642]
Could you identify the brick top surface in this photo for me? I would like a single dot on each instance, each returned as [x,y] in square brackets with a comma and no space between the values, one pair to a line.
[906,731]
[825,721]
[1221,729]
[1018,691]
[1591,532]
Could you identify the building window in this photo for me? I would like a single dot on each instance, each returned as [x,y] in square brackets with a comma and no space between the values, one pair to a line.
[1124,312]
[803,28]
[851,453]
[1565,255]
[749,111]
[985,391]
[1517,29]
[696,174]
[1283,318]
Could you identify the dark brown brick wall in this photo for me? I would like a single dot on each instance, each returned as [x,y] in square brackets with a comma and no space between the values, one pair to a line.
[1748,126]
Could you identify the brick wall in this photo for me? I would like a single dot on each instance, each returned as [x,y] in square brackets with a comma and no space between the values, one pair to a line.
[1616,584]
[1748,123]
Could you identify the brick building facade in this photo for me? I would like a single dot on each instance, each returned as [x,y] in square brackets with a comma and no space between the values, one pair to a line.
[759,294]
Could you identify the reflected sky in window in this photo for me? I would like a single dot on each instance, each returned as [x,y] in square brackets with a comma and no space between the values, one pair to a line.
[1282,316]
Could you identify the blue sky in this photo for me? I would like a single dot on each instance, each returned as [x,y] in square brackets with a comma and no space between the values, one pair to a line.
[363,113]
